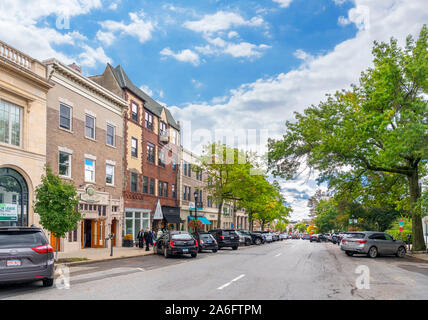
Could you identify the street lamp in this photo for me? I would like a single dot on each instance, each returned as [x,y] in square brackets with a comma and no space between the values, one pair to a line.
[196,211]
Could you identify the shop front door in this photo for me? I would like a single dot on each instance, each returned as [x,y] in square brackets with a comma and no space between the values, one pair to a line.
[98,233]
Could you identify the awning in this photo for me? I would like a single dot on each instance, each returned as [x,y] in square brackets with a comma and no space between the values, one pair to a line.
[158,212]
[171,214]
[202,219]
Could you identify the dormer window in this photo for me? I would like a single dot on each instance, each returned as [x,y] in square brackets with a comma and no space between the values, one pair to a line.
[134,111]
[149,121]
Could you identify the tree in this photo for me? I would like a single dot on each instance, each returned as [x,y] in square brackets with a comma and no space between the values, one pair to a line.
[311,229]
[301,227]
[56,204]
[378,126]
[314,201]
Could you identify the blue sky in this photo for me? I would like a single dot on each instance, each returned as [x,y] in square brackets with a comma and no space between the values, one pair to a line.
[243,66]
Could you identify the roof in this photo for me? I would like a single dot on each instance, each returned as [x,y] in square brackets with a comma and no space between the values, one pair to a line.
[149,103]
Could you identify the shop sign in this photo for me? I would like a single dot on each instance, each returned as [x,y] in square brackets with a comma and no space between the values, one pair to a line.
[8,212]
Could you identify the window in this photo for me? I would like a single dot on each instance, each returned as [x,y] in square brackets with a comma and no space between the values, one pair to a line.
[152,186]
[189,170]
[64,165]
[72,236]
[64,117]
[89,170]
[10,123]
[134,185]
[134,112]
[134,147]
[160,188]
[149,121]
[209,202]
[174,194]
[89,127]
[187,193]
[174,136]
[110,134]
[165,189]
[200,196]
[145,185]
[109,174]
[185,168]
[161,160]
[150,153]
[162,129]
[174,164]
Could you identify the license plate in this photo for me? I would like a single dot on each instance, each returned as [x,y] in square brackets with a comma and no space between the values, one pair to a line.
[13,263]
[232,237]
[185,250]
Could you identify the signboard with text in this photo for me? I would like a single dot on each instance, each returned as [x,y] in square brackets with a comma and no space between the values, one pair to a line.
[8,212]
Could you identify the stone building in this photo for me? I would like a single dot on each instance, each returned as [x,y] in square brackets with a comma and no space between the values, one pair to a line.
[151,146]
[23,90]
[85,146]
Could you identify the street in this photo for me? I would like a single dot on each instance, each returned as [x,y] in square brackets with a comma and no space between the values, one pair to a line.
[290,269]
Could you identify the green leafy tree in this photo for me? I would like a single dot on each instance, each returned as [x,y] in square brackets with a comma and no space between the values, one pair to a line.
[301,227]
[56,204]
[378,126]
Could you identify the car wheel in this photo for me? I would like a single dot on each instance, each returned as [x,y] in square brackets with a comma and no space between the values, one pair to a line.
[194,255]
[258,241]
[349,253]
[214,250]
[401,252]
[235,248]
[48,282]
[165,253]
[372,252]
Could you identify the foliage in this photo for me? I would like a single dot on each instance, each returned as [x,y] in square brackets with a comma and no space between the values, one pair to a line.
[312,229]
[301,227]
[196,224]
[56,204]
[128,237]
[395,230]
[377,127]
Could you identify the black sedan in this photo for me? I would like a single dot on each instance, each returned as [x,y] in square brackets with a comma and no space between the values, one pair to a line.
[206,242]
[176,243]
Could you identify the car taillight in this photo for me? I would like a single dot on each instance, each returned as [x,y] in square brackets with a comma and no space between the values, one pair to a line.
[343,240]
[221,237]
[43,249]
[361,241]
[202,241]
[171,243]
[196,243]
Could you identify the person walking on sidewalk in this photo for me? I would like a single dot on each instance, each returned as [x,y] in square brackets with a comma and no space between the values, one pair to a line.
[147,238]
[140,238]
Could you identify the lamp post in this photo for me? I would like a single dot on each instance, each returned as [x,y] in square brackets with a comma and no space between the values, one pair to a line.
[195,194]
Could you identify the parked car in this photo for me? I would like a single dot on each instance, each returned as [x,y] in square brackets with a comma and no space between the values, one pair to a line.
[323,237]
[25,256]
[275,236]
[373,244]
[294,236]
[283,236]
[176,243]
[306,236]
[267,235]
[206,242]
[256,238]
[226,238]
[314,237]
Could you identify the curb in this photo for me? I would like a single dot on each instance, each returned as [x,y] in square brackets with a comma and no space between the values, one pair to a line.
[78,263]
[416,258]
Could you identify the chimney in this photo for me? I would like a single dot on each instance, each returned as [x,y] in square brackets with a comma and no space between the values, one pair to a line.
[75,67]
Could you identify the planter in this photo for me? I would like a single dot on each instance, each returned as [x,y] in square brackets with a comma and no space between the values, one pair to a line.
[128,243]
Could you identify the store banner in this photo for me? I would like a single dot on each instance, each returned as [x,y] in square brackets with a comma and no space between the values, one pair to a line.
[8,212]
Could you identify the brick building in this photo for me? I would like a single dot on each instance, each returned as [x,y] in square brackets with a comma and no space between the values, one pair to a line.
[85,146]
[152,140]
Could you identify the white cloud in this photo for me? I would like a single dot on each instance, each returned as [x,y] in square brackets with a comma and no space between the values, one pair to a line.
[196,84]
[90,57]
[360,16]
[107,38]
[232,34]
[245,49]
[147,90]
[221,21]
[268,102]
[186,55]
[139,27]
[283,3]
[339,2]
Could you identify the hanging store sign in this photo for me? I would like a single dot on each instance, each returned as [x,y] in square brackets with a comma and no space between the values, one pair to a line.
[8,212]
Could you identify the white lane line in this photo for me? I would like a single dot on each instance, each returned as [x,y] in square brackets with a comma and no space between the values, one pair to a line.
[229,283]
[278,254]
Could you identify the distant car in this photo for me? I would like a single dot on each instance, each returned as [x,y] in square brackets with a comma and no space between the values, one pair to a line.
[314,237]
[25,256]
[306,236]
[256,238]
[176,243]
[294,236]
[267,235]
[275,236]
[225,238]
[373,244]
[206,242]
[323,237]
[283,236]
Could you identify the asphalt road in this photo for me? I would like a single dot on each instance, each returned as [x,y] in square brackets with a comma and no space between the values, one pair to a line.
[290,269]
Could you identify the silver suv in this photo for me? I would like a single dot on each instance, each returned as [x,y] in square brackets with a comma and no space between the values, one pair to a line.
[25,255]
[372,243]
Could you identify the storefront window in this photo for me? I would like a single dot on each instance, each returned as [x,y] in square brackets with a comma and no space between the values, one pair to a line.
[135,221]
[13,198]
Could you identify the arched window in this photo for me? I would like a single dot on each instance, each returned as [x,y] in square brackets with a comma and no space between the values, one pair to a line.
[13,198]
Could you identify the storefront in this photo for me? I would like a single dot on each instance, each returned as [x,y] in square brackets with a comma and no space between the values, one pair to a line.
[136,220]
[171,216]
[13,198]
[205,222]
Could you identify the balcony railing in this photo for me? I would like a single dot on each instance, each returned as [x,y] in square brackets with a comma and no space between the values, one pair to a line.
[15,56]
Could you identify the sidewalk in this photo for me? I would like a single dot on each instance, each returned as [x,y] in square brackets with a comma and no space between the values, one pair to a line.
[92,255]
[418,256]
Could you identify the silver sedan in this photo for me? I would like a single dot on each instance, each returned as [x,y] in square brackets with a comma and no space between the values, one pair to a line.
[372,243]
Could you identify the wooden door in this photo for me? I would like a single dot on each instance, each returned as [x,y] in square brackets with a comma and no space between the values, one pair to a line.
[113,230]
[54,242]
[83,234]
[98,232]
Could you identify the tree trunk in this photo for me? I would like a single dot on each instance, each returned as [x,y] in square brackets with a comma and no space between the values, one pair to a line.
[220,208]
[263,225]
[250,217]
[418,241]
[56,249]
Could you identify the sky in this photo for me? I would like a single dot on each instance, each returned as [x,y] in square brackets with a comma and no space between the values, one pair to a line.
[236,68]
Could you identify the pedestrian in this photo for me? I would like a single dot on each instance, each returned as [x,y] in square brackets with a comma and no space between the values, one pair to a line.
[160,233]
[147,238]
[140,238]
[153,237]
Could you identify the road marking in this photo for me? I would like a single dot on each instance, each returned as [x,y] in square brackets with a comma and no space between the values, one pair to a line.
[278,254]
[229,283]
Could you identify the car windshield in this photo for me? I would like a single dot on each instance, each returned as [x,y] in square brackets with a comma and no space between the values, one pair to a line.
[355,235]
[181,236]
[229,233]
[205,236]
[21,239]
